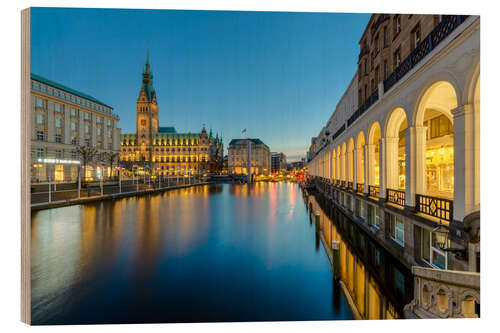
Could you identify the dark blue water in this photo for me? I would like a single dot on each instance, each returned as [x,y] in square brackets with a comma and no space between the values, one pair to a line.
[212,253]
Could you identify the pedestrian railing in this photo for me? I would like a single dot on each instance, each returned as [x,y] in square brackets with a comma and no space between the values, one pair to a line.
[350,186]
[61,192]
[396,197]
[436,207]
[373,191]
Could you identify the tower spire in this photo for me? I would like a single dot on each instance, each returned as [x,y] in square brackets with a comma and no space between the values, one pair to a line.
[147,58]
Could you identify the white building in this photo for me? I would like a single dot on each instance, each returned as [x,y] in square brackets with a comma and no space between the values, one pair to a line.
[407,158]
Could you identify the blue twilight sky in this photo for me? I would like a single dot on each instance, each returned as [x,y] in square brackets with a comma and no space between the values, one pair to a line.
[279,75]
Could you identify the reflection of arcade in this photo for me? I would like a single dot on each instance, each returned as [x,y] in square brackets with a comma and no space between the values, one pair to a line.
[378,284]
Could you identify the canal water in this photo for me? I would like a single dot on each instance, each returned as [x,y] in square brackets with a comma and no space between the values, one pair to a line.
[211,253]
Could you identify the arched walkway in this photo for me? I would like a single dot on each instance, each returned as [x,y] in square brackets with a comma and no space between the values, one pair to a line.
[360,158]
[434,140]
[374,135]
[395,149]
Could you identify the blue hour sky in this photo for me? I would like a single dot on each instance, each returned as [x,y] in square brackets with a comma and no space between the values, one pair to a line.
[279,75]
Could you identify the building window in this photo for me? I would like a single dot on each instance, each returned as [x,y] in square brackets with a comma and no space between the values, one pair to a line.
[377,75]
[386,37]
[73,141]
[386,69]
[39,153]
[440,126]
[98,131]
[110,122]
[73,126]
[73,112]
[110,146]
[373,216]
[73,155]
[397,25]
[397,229]
[397,58]
[87,129]
[40,103]
[430,251]
[377,46]
[58,122]
[87,116]
[110,134]
[57,107]
[58,154]
[58,138]
[87,142]
[39,135]
[416,36]
[39,119]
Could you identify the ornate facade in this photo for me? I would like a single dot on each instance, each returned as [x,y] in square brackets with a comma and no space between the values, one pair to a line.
[62,120]
[163,149]
[404,160]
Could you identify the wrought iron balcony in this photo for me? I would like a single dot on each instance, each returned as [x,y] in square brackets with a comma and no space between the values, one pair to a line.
[440,32]
[396,197]
[373,191]
[365,106]
[435,207]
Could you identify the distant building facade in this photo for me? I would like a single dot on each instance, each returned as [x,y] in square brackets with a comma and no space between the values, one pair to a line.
[163,149]
[238,155]
[278,162]
[62,119]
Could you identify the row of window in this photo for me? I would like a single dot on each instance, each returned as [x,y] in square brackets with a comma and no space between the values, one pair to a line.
[166,142]
[40,153]
[73,127]
[431,253]
[166,149]
[69,97]
[42,103]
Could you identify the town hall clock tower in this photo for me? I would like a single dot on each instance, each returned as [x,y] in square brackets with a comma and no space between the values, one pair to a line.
[147,114]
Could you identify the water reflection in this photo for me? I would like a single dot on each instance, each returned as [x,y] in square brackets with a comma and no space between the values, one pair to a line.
[212,253]
[379,285]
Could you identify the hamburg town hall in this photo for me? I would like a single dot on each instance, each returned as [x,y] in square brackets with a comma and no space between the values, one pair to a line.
[162,149]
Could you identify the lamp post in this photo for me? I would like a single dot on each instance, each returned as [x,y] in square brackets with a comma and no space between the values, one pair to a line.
[442,233]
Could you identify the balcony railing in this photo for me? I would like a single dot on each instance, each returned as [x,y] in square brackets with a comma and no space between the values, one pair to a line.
[373,191]
[435,207]
[396,197]
[360,188]
[440,32]
[365,106]
[350,186]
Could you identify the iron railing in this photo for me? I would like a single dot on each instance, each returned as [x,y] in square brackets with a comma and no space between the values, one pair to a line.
[396,197]
[350,186]
[360,188]
[373,191]
[433,206]
[365,106]
[440,32]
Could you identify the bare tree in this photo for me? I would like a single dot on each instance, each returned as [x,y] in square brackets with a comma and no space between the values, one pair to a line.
[111,158]
[87,155]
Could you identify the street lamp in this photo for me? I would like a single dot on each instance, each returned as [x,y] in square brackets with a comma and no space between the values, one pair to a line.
[442,233]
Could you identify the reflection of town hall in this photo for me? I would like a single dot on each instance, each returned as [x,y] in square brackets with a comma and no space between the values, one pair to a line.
[162,148]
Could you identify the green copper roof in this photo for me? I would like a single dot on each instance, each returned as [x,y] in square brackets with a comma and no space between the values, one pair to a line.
[169,135]
[169,129]
[67,89]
